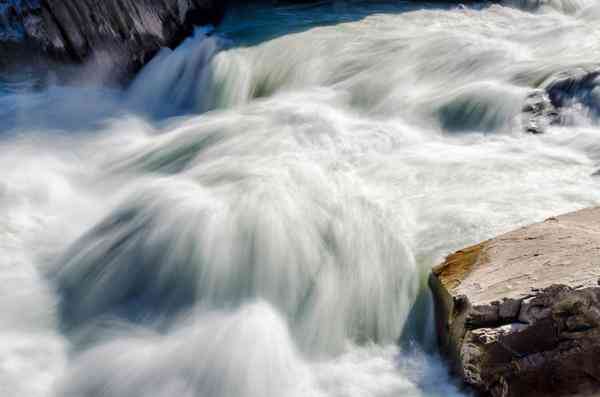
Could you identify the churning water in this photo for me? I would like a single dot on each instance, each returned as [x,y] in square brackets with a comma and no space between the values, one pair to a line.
[256,215]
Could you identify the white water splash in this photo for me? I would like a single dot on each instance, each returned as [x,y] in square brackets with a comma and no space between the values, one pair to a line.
[277,245]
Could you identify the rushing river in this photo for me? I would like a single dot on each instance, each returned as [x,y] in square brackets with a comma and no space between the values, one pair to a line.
[256,215]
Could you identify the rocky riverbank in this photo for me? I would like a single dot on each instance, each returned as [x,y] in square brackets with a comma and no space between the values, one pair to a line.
[519,315]
[118,36]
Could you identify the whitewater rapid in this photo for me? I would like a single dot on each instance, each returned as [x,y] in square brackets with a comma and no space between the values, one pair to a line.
[257,214]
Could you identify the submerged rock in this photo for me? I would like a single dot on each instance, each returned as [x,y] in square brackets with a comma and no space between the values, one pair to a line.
[119,36]
[560,97]
[538,112]
[581,85]
[519,315]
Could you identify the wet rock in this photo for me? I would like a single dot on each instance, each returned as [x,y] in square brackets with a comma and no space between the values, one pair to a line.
[538,112]
[118,36]
[519,315]
[561,97]
[578,86]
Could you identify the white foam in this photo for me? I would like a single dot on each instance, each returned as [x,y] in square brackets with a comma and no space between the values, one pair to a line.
[278,244]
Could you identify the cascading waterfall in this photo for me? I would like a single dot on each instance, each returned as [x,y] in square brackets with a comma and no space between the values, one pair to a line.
[257,213]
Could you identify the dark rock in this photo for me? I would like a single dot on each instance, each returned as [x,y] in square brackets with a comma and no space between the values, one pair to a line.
[538,112]
[580,85]
[118,36]
[575,90]
[519,315]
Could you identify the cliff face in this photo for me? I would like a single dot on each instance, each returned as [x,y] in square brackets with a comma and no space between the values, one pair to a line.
[520,314]
[119,34]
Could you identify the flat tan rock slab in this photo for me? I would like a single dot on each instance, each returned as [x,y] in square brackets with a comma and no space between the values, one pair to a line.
[560,250]
[519,315]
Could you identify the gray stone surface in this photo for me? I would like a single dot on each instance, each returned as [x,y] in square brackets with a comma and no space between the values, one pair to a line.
[119,35]
[519,315]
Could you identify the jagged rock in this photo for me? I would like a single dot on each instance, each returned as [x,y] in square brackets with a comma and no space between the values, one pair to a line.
[519,315]
[538,112]
[120,35]
[577,90]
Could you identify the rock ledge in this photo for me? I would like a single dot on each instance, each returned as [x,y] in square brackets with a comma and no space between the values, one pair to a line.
[519,315]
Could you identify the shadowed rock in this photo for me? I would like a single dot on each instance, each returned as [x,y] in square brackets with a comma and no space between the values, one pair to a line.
[119,36]
[560,94]
[520,314]
[539,112]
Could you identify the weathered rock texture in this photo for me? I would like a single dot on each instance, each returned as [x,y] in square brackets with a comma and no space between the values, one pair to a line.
[519,315]
[120,34]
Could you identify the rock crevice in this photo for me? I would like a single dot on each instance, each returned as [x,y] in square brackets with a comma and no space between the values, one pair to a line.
[520,314]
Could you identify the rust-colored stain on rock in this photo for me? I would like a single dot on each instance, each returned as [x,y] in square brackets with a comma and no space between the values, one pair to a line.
[456,266]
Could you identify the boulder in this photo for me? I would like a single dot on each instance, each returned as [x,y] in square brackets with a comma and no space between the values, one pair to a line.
[118,35]
[580,86]
[539,112]
[519,315]
[560,96]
